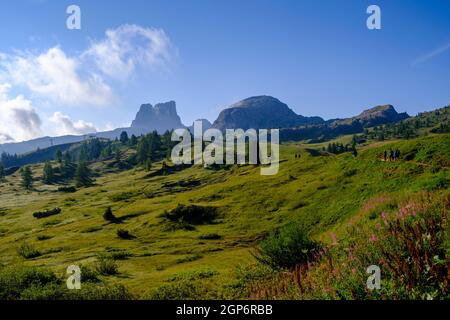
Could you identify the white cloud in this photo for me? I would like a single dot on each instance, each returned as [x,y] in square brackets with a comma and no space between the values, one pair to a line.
[18,119]
[56,76]
[128,47]
[59,80]
[64,125]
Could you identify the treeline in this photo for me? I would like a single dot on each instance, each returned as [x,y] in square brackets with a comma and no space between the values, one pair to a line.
[72,165]
[438,120]
[338,148]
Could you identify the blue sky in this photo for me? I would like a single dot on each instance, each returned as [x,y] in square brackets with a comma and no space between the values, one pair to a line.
[316,56]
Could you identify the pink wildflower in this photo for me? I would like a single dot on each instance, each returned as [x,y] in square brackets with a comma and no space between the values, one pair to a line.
[333,238]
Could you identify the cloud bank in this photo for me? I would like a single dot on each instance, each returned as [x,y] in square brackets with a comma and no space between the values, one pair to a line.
[19,120]
[64,125]
[60,80]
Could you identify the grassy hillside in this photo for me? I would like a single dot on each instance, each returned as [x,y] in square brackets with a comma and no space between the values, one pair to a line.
[161,258]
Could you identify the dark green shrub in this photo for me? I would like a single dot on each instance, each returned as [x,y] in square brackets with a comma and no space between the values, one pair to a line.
[46,213]
[286,247]
[88,274]
[108,215]
[70,189]
[43,237]
[124,234]
[192,214]
[15,280]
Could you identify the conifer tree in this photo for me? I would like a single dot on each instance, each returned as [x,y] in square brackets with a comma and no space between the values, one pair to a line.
[27,177]
[48,173]
[83,175]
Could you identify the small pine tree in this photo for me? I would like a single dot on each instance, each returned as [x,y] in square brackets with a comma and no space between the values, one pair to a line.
[67,167]
[2,172]
[83,175]
[147,165]
[108,215]
[118,155]
[48,173]
[124,137]
[58,156]
[133,140]
[27,177]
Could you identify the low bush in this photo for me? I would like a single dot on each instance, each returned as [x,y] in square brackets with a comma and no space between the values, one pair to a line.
[43,237]
[32,283]
[15,280]
[285,248]
[188,258]
[192,214]
[27,251]
[107,266]
[46,213]
[67,189]
[124,234]
[210,236]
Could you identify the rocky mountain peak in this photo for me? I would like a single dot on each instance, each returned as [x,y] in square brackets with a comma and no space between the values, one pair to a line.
[161,117]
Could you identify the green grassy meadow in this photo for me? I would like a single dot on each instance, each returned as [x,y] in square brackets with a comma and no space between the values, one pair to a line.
[322,192]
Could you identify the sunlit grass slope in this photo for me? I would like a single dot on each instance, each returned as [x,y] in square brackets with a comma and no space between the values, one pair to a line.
[319,190]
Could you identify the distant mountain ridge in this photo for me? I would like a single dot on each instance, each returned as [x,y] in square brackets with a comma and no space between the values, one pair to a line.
[255,112]
[161,117]
[375,116]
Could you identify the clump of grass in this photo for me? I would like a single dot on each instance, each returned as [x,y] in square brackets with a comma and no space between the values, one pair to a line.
[124,234]
[193,275]
[181,290]
[120,255]
[28,251]
[350,173]
[51,223]
[123,196]
[188,258]
[107,266]
[210,236]
[91,229]
[43,237]
[89,274]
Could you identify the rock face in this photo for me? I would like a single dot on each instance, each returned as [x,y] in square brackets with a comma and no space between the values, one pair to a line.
[380,115]
[205,125]
[261,112]
[161,117]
